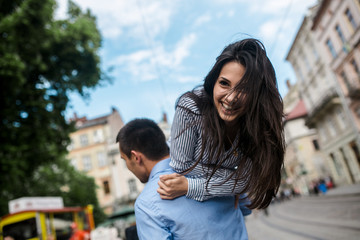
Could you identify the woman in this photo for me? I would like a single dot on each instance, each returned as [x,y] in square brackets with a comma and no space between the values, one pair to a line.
[227,136]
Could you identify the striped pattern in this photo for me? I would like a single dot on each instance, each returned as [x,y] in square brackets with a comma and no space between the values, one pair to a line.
[185,150]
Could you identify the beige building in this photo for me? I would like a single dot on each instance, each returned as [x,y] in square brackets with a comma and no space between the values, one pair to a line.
[324,50]
[94,151]
[336,27]
[303,162]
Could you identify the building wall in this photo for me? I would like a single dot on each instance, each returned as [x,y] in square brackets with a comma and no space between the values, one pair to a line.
[317,55]
[337,31]
[300,155]
[100,159]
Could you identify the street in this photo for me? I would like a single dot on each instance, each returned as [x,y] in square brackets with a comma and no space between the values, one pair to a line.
[335,215]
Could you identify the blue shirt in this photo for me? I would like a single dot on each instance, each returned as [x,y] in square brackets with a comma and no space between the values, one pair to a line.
[184,218]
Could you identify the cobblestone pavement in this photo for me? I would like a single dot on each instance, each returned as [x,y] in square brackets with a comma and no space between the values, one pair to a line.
[334,216]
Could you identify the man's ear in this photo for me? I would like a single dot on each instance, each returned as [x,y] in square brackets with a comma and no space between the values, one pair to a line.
[136,156]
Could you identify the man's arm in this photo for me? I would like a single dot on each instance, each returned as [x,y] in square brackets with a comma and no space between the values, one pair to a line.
[150,225]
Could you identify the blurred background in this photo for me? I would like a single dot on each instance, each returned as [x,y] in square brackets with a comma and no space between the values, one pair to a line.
[72,73]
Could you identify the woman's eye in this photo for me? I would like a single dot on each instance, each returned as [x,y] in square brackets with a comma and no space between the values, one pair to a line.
[223,83]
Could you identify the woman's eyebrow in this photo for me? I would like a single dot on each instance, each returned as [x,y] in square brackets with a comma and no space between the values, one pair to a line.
[223,78]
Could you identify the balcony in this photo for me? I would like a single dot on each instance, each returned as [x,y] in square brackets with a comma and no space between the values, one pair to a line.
[353,88]
[325,103]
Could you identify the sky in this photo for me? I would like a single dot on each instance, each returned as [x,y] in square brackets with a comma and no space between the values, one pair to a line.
[160,49]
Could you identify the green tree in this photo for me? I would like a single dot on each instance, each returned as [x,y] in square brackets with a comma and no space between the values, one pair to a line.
[76,188]
[42,60]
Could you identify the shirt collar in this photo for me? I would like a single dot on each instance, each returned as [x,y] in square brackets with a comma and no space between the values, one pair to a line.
[160,167]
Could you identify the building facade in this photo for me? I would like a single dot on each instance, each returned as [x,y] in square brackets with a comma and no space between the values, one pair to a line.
[95,152]
[304,163]
[324,47]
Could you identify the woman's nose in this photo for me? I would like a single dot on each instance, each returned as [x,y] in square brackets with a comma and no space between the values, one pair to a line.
[231,97]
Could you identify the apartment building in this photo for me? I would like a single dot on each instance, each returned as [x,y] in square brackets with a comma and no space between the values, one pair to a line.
[336,27]
[303,161]
[318,59]
[95,152]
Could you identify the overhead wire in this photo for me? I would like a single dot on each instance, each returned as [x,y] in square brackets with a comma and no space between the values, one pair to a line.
[279,30]
[153,54]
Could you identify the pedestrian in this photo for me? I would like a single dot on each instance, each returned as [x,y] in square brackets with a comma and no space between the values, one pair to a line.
[315,187]
[227,135]
[322,186]
[78,234]
[143,147]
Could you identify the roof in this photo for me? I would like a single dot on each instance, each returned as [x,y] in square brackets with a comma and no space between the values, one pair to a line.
[92,122]
[83,122]
[298,111]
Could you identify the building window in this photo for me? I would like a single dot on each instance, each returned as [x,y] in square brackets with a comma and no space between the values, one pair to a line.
[316,55]
[307,64]
[340,34]
[101,159]
[356,151]
[331,126]
[98,136]
[322,133]
[337,166]
[106,187]
[331,48]
[316,144]
[87,163]
[355,66]
[71,145]
[299,73]
[357,110]
[84,141]
[341,118]
[73,163]
[346,80]
[132,186]
[350,18]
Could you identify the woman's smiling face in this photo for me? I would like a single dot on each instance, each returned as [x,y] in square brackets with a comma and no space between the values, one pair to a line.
[225,99]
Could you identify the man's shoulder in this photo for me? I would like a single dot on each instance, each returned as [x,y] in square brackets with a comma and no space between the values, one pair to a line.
[149,201]
[149,194]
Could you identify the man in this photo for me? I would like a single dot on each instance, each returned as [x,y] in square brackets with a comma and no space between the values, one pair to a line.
[143,147]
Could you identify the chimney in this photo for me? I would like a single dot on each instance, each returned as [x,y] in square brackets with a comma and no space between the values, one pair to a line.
[288,84]
[164,118]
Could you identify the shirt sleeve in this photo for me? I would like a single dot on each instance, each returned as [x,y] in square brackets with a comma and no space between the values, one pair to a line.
[184,137]
[200,190]
[149,224]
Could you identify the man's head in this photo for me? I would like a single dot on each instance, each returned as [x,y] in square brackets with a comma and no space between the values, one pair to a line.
[142,145]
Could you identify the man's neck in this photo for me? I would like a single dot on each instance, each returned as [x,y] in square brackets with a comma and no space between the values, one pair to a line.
[149,164]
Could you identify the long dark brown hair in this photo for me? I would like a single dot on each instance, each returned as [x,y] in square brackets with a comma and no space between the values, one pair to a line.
[260,127]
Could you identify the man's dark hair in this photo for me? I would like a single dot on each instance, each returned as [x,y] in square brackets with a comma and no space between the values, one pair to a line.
[145,136]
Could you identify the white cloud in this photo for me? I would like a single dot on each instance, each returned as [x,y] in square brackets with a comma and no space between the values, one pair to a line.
[273,7]
[202,19]
[231,13]
[182,49]
[118,17]
[269,29]
[187,79]
[145,65]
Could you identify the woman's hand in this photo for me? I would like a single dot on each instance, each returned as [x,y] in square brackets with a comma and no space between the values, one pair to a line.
[172,186]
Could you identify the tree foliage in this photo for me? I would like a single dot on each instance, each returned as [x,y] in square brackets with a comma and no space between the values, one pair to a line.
[42,60]
[74,187]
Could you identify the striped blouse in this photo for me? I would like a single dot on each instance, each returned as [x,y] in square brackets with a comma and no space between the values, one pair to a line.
[185,149]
